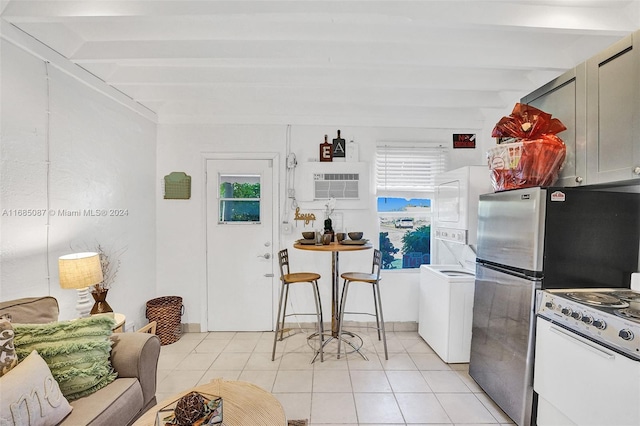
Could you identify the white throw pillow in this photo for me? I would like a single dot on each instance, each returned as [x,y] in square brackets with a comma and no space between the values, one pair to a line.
[29,395]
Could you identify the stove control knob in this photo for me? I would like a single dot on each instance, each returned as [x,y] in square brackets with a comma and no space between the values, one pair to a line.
[599,324]
[576,315]
[587,319]
[626,334]
[566,311]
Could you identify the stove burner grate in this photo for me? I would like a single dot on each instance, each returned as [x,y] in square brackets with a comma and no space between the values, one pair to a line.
[605,300]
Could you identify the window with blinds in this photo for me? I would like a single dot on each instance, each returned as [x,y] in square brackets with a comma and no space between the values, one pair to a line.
[405,182]
[403,171]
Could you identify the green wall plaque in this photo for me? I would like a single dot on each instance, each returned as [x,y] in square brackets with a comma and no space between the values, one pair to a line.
[177,186]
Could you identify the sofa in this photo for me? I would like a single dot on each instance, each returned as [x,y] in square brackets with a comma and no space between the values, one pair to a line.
[134,357]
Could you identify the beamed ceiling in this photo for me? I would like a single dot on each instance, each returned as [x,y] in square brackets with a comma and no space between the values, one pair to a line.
[425,64]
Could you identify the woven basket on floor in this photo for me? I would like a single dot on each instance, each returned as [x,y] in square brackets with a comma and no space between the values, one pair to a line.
[166,312]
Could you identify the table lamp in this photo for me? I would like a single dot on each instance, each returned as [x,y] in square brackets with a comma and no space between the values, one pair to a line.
[80,271]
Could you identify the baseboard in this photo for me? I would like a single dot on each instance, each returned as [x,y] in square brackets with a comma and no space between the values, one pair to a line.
[192,327]
[397,326]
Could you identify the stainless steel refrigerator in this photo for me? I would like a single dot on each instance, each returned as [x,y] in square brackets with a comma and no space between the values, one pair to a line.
[540,238]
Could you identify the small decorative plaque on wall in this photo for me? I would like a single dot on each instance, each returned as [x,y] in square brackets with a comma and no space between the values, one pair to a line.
[326,150]
[464,140]
[177,186]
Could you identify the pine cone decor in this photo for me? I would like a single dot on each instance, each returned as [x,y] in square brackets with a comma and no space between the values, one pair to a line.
[189,409]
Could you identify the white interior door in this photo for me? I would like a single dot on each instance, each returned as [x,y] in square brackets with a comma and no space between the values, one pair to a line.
[240,241]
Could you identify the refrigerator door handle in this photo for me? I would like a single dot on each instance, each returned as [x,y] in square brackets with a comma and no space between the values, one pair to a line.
[516,272]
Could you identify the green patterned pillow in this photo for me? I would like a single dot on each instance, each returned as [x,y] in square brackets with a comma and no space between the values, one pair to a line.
[77,352]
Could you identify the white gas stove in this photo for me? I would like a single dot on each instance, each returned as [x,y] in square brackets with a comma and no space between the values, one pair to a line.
[587,357]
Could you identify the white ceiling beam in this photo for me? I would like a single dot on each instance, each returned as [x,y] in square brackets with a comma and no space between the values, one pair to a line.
[364,96]
[252,28]
[469,78]
[275,107]
[423,54]
[597,15]
[455,124]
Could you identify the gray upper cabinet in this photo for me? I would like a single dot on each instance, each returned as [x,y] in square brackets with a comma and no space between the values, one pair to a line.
[564,99]
[613,112]
[599,103]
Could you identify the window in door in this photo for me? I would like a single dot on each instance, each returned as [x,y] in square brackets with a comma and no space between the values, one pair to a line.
[239,198]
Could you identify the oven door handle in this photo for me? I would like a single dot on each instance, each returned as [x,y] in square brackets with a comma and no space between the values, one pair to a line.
[582,342]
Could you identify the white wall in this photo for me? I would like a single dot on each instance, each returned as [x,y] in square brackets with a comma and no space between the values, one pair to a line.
[181,235]
[95,153]
[89,153]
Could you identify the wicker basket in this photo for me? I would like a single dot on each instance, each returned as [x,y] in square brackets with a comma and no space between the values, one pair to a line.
[166,312]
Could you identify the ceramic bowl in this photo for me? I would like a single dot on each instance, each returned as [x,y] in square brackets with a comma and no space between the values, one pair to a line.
[340,236]
[355,235]
[309,235]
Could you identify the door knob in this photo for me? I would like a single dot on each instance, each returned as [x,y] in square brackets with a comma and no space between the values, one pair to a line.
[266,255]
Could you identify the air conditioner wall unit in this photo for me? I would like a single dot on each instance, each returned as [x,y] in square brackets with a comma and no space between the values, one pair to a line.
[347,182]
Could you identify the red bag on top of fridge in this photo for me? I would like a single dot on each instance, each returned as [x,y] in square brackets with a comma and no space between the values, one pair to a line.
[531,154]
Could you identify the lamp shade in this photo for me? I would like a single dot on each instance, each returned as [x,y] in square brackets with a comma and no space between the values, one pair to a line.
[80,270]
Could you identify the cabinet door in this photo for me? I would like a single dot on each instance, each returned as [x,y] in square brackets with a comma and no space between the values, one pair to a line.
[564,99]
[613,107]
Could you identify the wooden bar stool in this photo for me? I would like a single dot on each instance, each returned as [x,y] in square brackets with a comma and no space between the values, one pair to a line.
[372,279]
[287,279]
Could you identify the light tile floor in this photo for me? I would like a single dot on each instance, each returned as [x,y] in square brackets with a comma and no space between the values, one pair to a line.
[414,387]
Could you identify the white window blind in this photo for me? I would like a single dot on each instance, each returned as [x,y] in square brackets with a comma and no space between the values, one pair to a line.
[403,171]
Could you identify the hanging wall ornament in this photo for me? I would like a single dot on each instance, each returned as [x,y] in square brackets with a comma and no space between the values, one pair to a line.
[326,150]
[339,148]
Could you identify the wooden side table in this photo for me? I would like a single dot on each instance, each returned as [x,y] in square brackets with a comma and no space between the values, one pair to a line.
[120,321]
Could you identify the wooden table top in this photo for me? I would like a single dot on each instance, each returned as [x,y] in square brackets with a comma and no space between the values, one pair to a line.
[334,246]
[243,403]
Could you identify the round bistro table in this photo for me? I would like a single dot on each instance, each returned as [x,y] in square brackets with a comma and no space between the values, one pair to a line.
[335,248]
[243,404]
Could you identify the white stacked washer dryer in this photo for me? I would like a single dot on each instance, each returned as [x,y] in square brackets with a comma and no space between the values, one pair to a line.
[447,285]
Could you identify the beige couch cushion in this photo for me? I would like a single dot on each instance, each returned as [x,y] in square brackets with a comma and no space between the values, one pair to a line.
[31,310]
[117,404]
